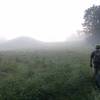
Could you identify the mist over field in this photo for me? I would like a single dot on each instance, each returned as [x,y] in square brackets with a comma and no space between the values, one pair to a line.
[28,43]
[35,70]
[45,48]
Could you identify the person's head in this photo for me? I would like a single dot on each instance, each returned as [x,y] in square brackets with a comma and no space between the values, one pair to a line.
[98,47]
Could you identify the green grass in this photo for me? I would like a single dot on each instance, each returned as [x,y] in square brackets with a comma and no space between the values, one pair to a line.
[47,75]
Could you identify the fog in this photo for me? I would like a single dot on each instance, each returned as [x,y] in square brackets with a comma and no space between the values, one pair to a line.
[27,43]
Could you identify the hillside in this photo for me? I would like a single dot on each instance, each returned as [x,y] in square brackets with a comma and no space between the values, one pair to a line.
[27,43]
[21,43]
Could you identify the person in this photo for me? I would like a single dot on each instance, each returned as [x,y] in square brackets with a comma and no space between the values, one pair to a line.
[95,60]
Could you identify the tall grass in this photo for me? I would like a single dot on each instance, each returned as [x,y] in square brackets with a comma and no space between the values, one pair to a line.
[46,75]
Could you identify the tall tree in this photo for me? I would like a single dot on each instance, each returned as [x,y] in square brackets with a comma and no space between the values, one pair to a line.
[92,23]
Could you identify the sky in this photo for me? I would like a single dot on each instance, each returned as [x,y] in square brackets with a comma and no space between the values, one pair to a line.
[45,20]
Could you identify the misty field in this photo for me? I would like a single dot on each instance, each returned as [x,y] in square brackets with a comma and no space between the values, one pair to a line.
[47,75]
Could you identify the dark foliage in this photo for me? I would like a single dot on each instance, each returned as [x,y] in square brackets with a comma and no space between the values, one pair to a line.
[92,24]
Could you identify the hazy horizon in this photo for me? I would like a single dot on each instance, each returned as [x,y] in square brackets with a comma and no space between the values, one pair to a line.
[48,21]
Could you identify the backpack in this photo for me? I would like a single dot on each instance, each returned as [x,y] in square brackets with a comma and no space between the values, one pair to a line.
[97,57]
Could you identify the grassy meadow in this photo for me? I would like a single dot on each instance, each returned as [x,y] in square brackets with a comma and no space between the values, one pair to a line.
[62,74]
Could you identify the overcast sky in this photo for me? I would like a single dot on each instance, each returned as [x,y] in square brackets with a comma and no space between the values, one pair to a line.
[46,20]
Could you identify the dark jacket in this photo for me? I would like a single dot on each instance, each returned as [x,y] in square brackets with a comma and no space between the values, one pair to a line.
[95,57]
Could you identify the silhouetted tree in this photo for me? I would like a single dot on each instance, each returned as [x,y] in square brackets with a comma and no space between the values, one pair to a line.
[92,23]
